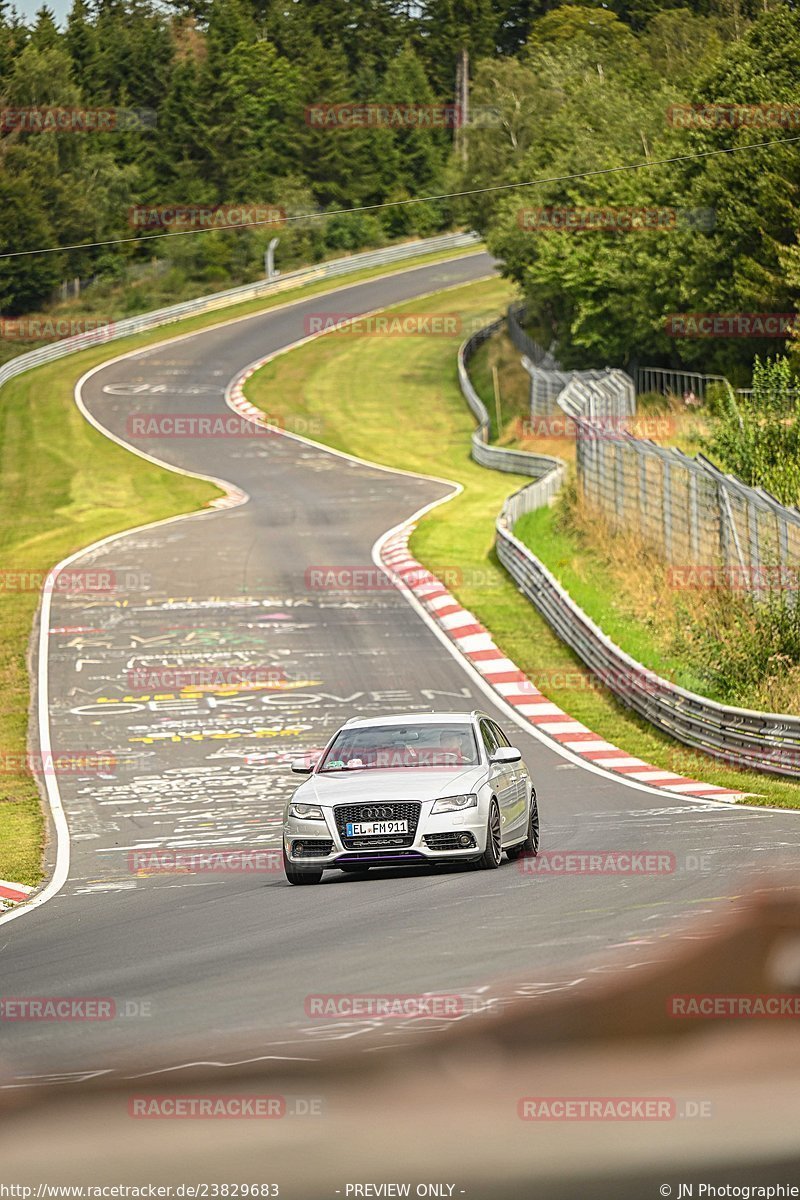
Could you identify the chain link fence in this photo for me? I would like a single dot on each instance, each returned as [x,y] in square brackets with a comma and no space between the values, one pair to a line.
[498,458]
[685,508]
[683,505]
[522,339]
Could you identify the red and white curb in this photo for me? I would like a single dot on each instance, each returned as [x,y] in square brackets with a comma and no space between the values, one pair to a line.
[475,642]
[237,400]
[13,893]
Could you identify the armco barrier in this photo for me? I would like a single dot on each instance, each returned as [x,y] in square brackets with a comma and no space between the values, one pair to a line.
[248,291]
[517,462]
[744,738]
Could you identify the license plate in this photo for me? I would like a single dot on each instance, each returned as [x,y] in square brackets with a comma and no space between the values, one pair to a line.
[375,828]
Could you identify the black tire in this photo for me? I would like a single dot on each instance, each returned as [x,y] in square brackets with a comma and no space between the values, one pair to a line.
[490,859]
[300,876]
[530,847]
[354,868]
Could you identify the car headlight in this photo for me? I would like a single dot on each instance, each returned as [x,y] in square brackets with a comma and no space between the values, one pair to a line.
[455,803]
[306,812]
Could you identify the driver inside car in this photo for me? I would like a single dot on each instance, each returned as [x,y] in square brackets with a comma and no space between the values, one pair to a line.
[453,743]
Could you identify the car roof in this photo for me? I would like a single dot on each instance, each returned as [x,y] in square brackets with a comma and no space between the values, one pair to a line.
[418,718]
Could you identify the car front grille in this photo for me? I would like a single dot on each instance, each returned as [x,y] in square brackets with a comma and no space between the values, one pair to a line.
[448,841]
[388,812]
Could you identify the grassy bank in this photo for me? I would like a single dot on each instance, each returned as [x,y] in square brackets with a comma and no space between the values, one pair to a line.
[64,486]
[339,382]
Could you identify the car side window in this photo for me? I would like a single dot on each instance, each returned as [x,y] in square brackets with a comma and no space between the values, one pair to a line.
[502,740]
[489,739]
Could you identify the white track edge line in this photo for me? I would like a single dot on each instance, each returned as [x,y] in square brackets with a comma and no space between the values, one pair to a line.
[60,826]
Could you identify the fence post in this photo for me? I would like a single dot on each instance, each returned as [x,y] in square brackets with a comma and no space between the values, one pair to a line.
[619,488]
[788,576]
[724,526]
[754,577]
[667,502]
[694,522]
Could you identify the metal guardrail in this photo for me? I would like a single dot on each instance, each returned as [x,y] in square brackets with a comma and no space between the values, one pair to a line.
[665,380]
[668,380]
[497,458]
[248,291]
[744,738]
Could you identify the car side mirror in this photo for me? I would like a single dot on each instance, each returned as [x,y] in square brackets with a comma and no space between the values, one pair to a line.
[506,754]
[302,766]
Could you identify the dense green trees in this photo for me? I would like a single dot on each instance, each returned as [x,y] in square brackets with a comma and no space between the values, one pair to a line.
[570,88]
[756,435]
[230,85]
[587,94]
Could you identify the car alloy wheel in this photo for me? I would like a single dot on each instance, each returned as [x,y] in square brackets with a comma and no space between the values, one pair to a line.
[530,847]
[490,859]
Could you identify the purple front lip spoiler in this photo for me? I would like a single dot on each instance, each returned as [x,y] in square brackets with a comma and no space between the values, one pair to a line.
[408,856]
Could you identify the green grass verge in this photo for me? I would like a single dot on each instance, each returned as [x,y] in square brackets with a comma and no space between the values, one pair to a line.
[339,381]
[591,582]
[64,486]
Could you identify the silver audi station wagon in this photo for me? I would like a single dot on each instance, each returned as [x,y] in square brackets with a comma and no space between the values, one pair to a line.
[410,789]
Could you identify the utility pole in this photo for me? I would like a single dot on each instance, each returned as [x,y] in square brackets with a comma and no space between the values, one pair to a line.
[269,260]
[497,407]
[462,103]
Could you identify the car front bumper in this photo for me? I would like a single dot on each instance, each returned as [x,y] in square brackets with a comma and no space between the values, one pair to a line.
[440,837]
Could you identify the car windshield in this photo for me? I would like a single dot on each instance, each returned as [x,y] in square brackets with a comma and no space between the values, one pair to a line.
[384,746]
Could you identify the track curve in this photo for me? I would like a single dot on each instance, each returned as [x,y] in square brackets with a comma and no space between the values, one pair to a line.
[219,966]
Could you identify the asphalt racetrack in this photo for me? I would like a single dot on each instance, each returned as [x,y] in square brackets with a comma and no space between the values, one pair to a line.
[218,966]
